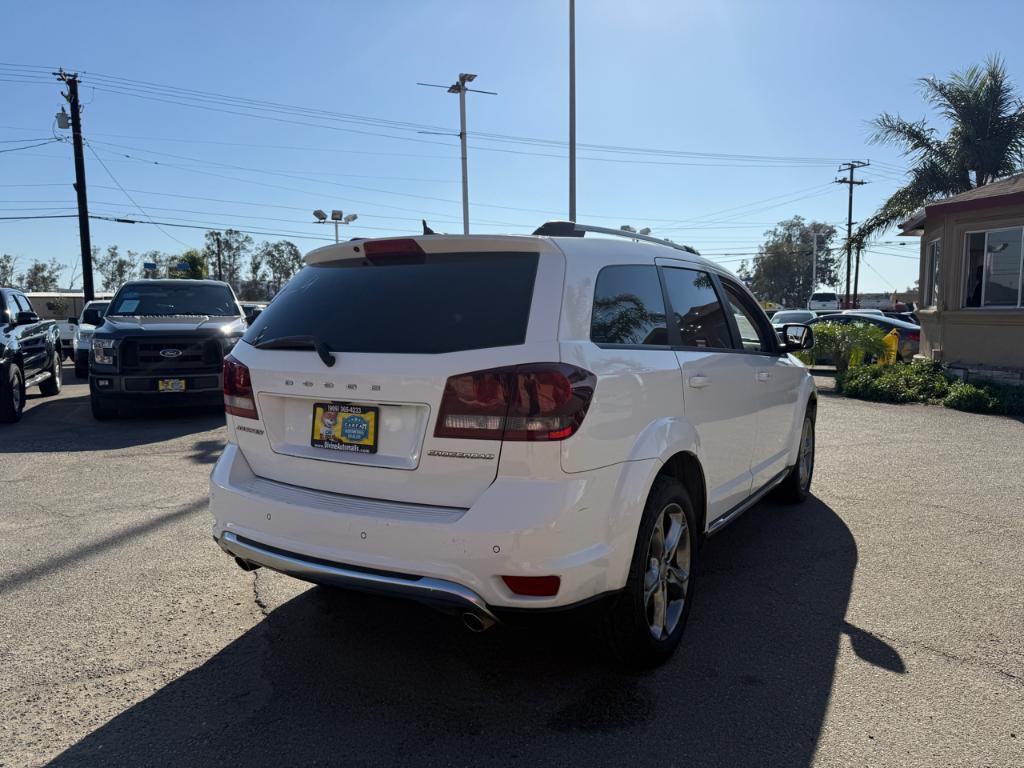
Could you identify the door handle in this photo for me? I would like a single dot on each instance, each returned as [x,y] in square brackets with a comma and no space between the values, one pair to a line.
[763,375]
[697,382]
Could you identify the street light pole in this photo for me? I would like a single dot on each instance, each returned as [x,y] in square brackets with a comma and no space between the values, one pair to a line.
[461,88]
[465,164]
[572,110]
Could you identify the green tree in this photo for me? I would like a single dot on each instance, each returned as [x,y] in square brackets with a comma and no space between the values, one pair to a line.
[196,261]
[41,276]
[115,269]
[984,142]
[254,287]
[782,270]
[8,264]
[234,246]
[283,260]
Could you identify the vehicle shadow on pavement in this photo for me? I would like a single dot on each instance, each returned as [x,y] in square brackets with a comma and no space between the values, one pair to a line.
[342,679]
[80,432]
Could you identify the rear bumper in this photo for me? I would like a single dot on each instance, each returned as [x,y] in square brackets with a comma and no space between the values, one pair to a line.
[445,595]
[581,528]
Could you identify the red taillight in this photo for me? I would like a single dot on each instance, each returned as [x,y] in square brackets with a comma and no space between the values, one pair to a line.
[533,586]
[914,336]
[540,401]
[239,399]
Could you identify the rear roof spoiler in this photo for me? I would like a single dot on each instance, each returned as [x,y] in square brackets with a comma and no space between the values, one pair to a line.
[572,229]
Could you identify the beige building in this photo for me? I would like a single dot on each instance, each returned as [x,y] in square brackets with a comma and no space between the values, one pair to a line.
[971,303]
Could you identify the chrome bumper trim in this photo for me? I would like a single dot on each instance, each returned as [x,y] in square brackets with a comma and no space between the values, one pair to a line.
[436,592]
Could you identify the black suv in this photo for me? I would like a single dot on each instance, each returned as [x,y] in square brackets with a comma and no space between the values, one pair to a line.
[162,343]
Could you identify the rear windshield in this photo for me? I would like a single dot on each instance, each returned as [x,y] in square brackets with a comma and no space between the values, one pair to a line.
[420,304]
[180,299]
[823,297]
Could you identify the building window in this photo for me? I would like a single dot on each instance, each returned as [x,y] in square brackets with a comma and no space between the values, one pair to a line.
[930,294]
[995,268]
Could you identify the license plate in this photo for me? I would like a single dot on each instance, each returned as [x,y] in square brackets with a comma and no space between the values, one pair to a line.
[170,385]
[345,427]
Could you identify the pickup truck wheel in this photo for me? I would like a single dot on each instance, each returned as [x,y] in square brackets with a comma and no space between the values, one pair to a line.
[12,395]
[797,485]
[101,412]
[645,622]
[52,385]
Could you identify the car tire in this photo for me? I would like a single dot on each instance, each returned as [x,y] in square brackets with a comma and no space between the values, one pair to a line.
[52,385]
[12,395]
[645,621]
[101,412]
[797,485]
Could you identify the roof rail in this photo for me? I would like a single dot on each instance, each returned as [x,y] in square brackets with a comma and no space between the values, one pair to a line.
[572,229]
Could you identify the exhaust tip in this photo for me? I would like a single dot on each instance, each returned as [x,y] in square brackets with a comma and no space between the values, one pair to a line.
[476,623]
[245,565]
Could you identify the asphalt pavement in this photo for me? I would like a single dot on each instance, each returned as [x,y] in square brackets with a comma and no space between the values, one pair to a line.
[879,624]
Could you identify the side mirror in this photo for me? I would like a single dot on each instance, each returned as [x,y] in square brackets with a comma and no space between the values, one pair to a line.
[72,321]
[26,318]
[92,317]
[797,336]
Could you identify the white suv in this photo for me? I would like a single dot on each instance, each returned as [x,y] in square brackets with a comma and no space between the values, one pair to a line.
[498,423]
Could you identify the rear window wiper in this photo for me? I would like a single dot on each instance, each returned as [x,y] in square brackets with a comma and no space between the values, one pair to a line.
[299,342]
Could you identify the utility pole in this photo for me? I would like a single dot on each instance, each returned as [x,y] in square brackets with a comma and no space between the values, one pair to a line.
[814,266]
[850,168]
[71,80]
[220,266]
[462,89]
[572,110]
[856,278]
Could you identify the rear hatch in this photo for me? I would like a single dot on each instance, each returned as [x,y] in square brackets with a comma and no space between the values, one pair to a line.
[398,318]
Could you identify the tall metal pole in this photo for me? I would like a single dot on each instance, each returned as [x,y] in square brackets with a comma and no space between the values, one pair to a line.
[460,87]
[572,110]
[465,165]
[83,204]
[336,241]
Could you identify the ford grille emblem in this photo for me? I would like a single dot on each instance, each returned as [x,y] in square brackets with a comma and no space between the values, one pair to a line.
[170,353]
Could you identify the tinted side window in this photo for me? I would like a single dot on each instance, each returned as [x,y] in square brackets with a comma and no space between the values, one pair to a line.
[11,308]
[751,333]
[23,303]
[628,307]
[696,309]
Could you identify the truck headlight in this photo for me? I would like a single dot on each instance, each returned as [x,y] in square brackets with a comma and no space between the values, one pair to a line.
[103,351]
[228,342]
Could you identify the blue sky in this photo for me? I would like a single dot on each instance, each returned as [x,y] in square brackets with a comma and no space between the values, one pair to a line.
[751,78]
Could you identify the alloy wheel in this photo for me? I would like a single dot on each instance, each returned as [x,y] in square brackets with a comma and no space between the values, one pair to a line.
[16,393]
[667,578]
[806,464]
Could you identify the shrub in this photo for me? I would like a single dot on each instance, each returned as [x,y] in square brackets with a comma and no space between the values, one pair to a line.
[924,382]
[843,342]
[985,398]
[913,383]
[964,396]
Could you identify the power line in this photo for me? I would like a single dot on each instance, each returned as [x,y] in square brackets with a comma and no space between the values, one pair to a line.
[130,198]
[30,146]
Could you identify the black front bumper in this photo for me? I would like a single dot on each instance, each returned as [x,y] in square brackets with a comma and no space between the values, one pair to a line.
[201,389]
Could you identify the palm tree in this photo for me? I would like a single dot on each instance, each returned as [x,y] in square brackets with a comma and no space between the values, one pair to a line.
[985,141]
